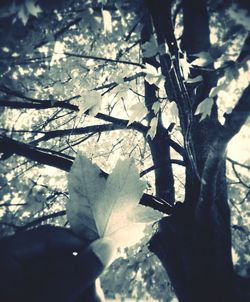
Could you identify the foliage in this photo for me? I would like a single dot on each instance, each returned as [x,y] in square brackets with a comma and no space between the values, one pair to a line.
[91,193]
[77,79]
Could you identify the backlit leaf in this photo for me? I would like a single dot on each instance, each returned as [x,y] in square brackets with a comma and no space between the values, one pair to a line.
[33,9]
[85,185]
[138,110]
[203,59]
[156,107]
[107,208]
[194,80]
[90,100]
[215,90]
[153,127]
[154,76]
[107,21]
[23,15]
[150,48]
[204,108]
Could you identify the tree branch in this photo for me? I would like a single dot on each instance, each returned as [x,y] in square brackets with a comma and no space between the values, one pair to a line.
[19,94]
[39,220]
[101,59]
[34,222]
[38,104]
[77,131]
[237,163]
[46,104]
[152,168]
[126,79]
[9,146]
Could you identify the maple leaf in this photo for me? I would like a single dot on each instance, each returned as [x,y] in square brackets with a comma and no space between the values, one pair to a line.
[153,127]
[204,108]
[107,21]
[194,80]
[154,76]
[215,90]
[33,9]
[90,100]
[107,208]
[23,15]
[139,110]
[85,187]
[150,48]
[171,113]
[203,59]
[156,107]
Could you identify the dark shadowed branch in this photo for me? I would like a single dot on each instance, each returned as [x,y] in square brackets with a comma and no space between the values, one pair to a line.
[47,104]
[77,131]
[69,54]
[9,146]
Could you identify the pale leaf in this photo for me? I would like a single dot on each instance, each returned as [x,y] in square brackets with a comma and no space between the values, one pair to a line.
[33,9]
[185,66]
[150,69]
[122,194]
[142,214]
[194,80]
[107,21]
[215,90]
[138,110]
[107,208]
[90,100]
[149,48]
[153,127]
[85,185]
[156,107]
[172,113]
[154,76]
[23,15]
[203,59]
[204,108]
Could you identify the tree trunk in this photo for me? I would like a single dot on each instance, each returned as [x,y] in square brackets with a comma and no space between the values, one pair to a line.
[194,244]
[196,249]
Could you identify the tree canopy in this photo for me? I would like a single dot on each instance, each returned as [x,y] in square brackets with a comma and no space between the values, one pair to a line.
[165,83]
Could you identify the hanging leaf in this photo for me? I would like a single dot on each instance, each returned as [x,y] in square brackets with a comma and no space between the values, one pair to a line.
[154,76]
[215,90]
[185,66]
[153,127]
[156,107]
[150,48]
[85,185]
[107,21]
[204,108]
[23,15]
[171,113]
[107,208]
[139,110]
[203,59]
[90,100]
[194,80]
[33,9]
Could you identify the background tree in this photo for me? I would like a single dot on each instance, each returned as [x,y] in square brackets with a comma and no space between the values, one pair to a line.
[165,82]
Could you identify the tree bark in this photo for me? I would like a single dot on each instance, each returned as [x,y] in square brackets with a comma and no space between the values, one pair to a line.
[194,244]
